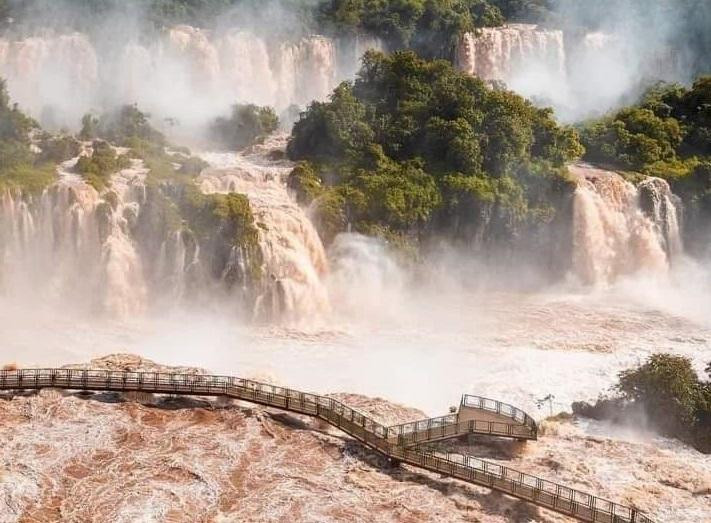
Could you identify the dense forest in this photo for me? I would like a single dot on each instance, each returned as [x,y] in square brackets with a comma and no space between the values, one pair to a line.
[415,145]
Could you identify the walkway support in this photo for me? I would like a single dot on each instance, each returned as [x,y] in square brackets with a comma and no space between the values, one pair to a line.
[400,443]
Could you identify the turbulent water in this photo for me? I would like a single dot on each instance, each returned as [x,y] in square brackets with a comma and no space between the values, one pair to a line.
[513,347]
[187,75]
[622,229]
[140,461]
[421,346]
[82,275]
[295,259]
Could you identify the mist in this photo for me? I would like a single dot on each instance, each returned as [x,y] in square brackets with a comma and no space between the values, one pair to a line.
[64,60]
[588,58]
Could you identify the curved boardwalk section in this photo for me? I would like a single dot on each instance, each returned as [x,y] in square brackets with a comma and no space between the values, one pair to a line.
[401,443]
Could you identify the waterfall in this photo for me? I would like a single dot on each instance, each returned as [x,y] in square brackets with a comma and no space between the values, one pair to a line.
[620,229]
[294,257]
[507,53]
[123,250]
[578,74]
[71,246]
[186,74]
[52,76]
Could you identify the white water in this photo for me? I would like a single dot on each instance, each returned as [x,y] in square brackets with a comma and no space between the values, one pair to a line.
[615,235]
[421,344]
[295,260]
[189,75]
[69,247]
[517,54]
[578,76]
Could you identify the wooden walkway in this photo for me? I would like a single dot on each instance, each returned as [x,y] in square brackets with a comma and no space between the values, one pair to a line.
[401,443]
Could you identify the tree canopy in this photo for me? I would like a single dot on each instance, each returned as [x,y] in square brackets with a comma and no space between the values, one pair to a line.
[21,167]
[247,124]
[671,123]
[412,139]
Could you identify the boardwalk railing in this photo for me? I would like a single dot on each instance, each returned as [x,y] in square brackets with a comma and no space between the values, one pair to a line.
[399,442]
[500,408]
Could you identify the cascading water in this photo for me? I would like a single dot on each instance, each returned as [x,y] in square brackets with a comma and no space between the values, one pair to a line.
[579,75]
[500,53]
[71,246]
[42,71]
[620,229]
[295,259]
[187,74]
[109,252]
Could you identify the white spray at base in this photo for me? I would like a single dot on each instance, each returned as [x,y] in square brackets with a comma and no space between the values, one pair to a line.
[422,345]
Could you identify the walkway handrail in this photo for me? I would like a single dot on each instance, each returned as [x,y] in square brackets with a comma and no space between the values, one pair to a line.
[565,500]
[449,426]
[499,407]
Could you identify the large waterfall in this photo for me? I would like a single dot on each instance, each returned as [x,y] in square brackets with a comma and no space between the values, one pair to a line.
[187,74]
[72,246]
[622,229]
[106,252]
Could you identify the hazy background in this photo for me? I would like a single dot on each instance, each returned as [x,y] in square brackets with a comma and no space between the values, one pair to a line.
[253,52]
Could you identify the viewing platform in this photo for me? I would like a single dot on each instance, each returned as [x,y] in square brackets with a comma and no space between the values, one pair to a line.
[401,443]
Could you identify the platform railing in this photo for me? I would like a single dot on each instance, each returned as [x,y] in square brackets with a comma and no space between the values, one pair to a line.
[491,405]
[392,441]
[447,427]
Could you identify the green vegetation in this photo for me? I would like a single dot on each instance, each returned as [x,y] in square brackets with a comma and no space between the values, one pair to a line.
[59,148]
[412,145]
[20,167]
[218,222]
[670,126]
[103,162]
[429,27]
[668,393]
[668,134]
[126,127]
[248,124]
[525,10]
[83,14]
[224,220]
[304,181]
